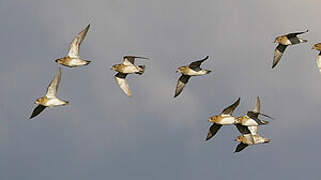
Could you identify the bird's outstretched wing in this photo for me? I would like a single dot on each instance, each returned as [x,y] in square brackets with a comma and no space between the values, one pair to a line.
[54,84]
[242,129]
[240,147]
[75,43]
[231,108]
[196,64]
[37,111]
[291,35]
[130,60]
[279,50]
[121,81]
[182,81]
[212,131]
[257,105]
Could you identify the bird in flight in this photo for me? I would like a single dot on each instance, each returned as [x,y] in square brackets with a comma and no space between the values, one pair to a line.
[251,119]
[283,42]
[127,67]
[193,69]
[225,118]
[72,59]
[50,99]
[248,138]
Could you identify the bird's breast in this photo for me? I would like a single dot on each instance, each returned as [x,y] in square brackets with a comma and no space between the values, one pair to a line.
[229,120]
[128,69]
[285,41]
[192,72]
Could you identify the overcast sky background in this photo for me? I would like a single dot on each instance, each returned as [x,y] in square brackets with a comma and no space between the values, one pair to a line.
[102,134]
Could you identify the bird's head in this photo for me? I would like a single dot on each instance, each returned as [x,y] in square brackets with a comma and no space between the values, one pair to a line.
[39,101]
[238,139]
[115,67]
[213,119]
[59,61]
[317,46]
[278,39]
[180,69]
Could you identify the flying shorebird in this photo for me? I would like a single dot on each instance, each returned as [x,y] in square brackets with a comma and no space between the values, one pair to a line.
[192,69]
[127,67]
[72,59]
[318,47]
[225,118]
[251,119]
[247,138]
[50,99]
[283,42]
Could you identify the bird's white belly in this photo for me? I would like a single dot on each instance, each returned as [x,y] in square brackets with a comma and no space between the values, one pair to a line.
[228,121]
[77,62]
[130,69]
[196,73]
[54,102]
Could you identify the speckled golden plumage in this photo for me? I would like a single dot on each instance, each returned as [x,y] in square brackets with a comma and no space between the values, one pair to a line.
[193,69]
[250,139]
[72,59]
[282,40]
[127,67]
[317,47]
[50,99]
[72,62]
[224,118]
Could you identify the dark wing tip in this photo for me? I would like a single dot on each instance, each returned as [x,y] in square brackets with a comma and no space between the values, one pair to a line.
[230,109]
[139,57]
[240,147]
[212,131]
[209,136]
[267,116]
[37,111]
[136,57]
[238,100]
[177,93]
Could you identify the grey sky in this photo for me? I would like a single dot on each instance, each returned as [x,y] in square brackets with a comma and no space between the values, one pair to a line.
[102,134]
